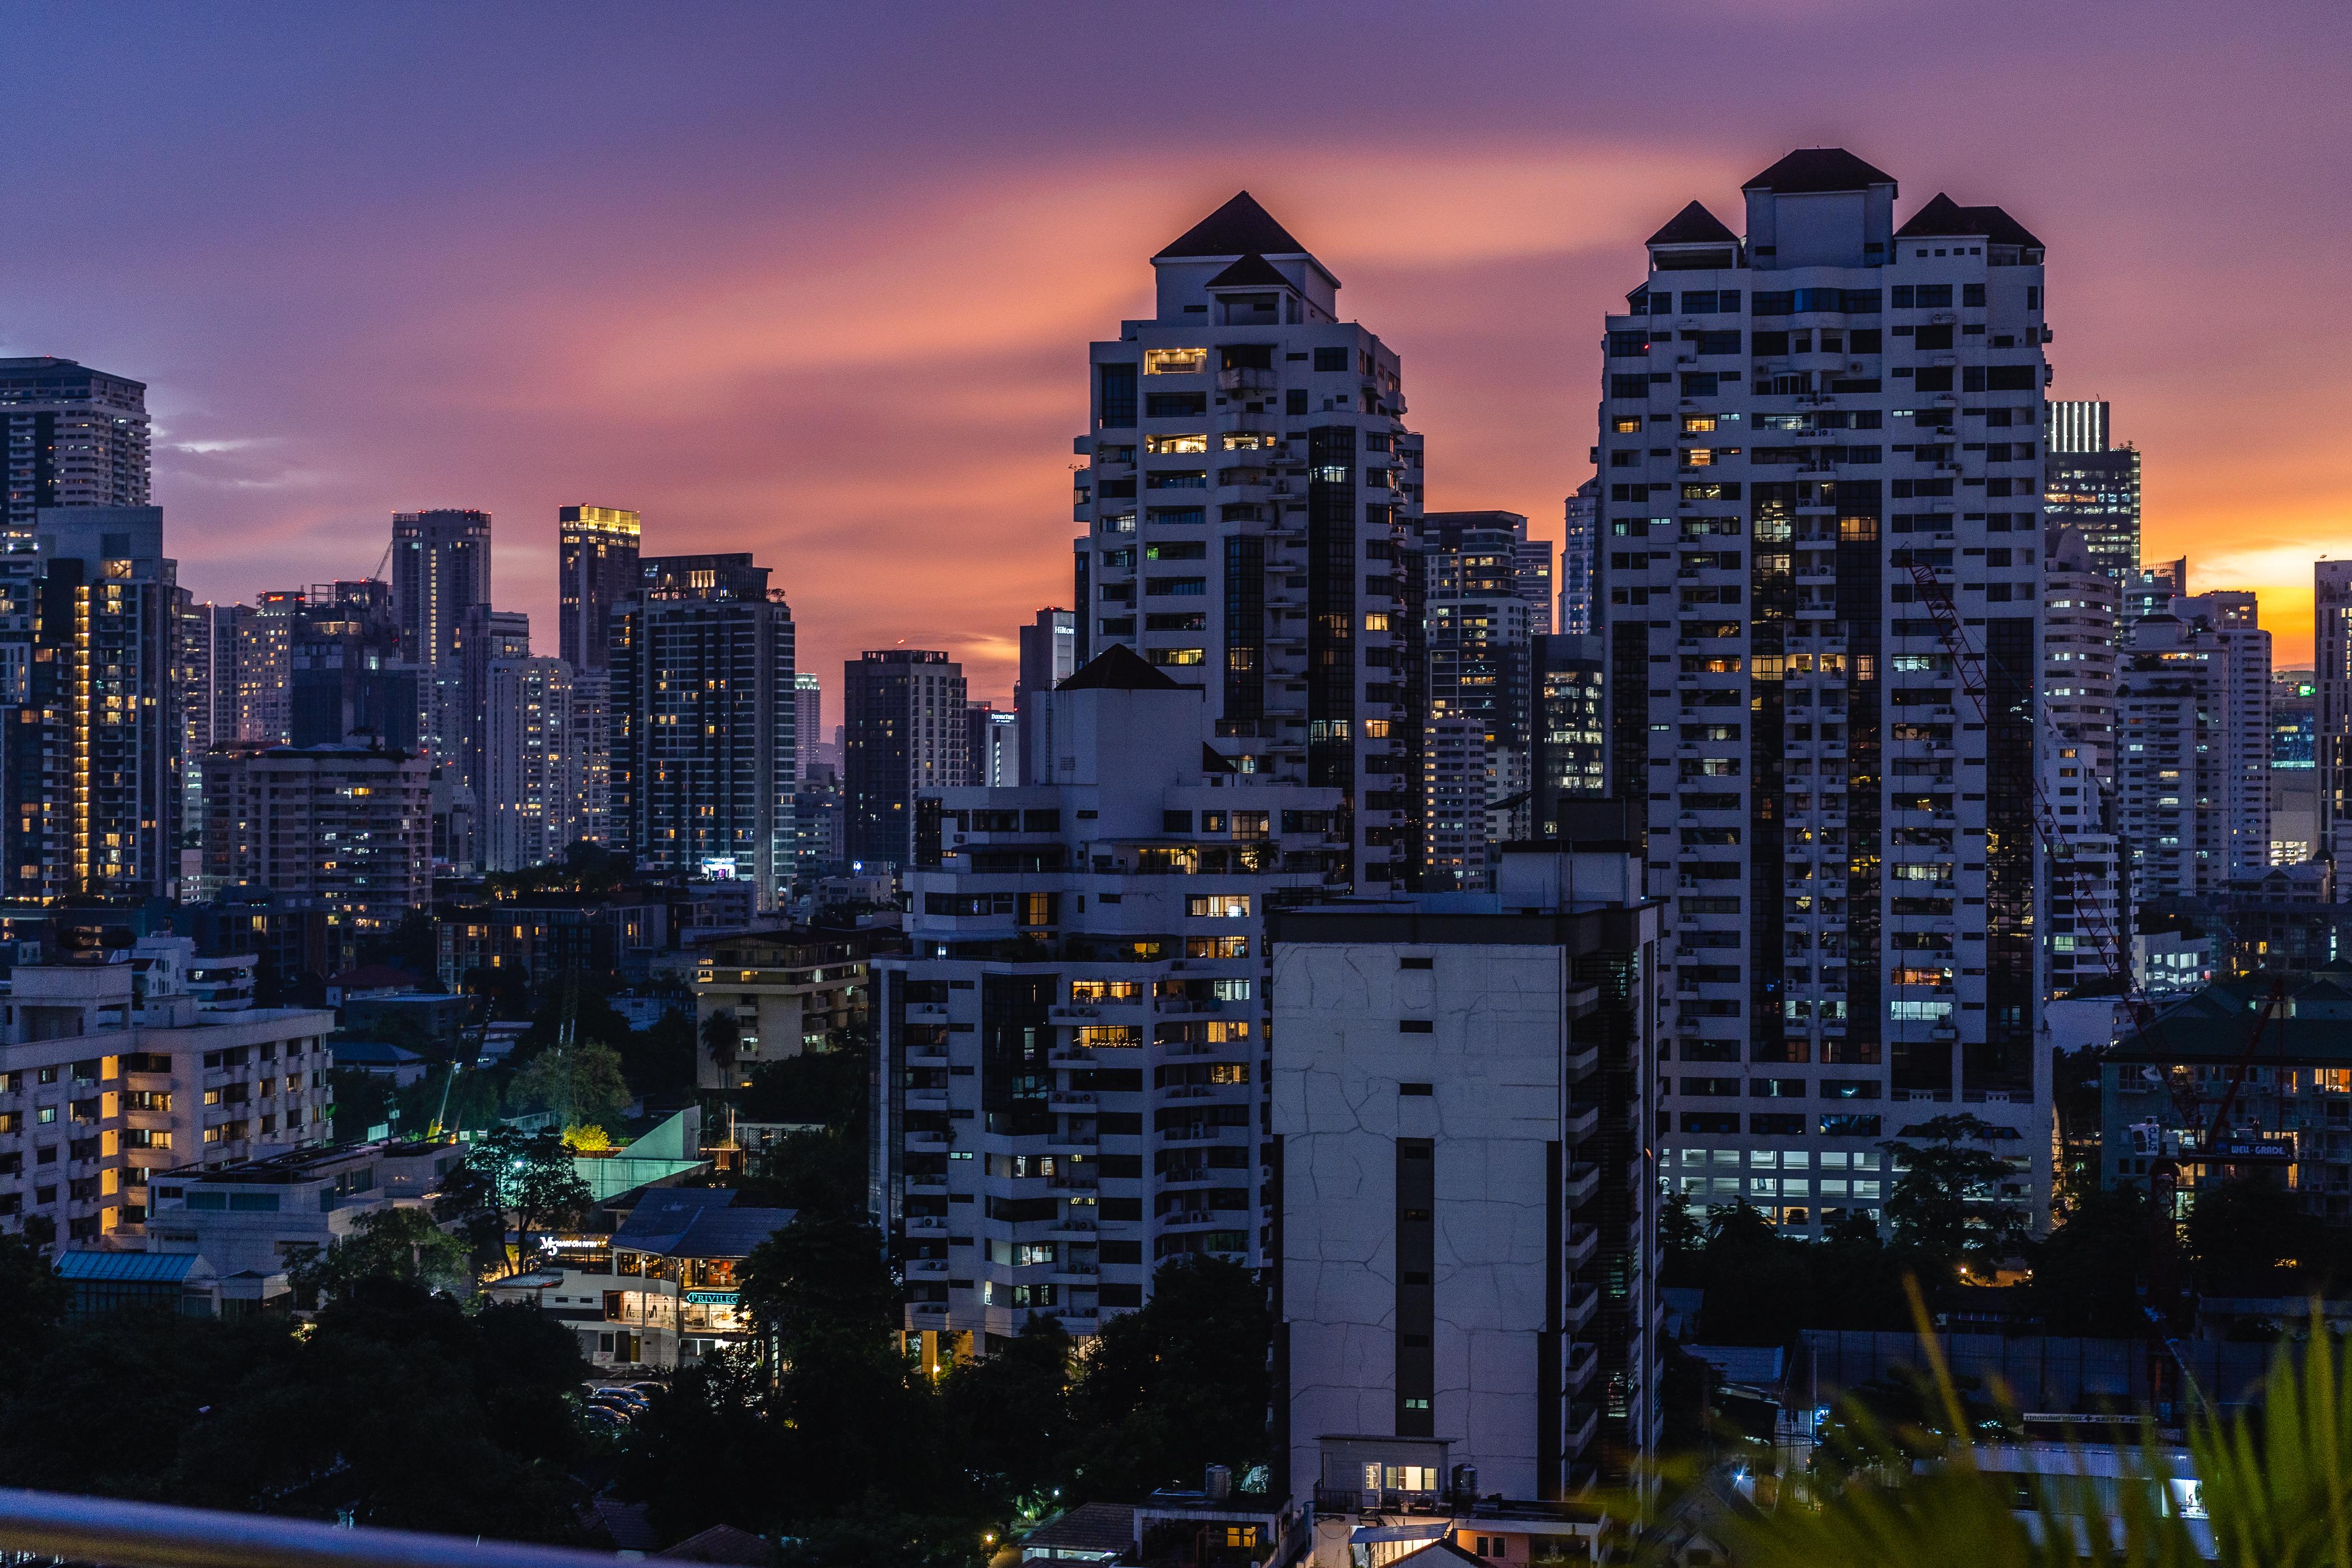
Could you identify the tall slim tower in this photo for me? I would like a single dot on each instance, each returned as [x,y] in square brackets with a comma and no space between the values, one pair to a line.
[1049,655]
[69,436]
[1576,569]
[440,569]
[808,723]
[2084,928]
[1251,491]
[2332,674]
[1791,418]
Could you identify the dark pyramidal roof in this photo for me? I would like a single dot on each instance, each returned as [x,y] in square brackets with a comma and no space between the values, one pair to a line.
[1944,217]
[1117,668]
[1238,228]
[1694,225]
[1819,169]
[1252,271]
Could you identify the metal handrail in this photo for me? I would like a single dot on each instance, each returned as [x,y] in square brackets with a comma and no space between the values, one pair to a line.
[154,1535]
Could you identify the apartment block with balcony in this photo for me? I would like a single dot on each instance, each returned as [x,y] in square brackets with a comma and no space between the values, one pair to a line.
[1797,422]
[2192,747]
[1072,1052]
[349,824]
[109,1075]
[785,991]
[1252,505]
[1464,1097]
[2084,928]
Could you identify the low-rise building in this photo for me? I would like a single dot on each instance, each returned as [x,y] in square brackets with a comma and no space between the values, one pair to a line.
[104,1081]
[663,1290]
[543,937]
[2219,1090]
[265,1215]
[785,991]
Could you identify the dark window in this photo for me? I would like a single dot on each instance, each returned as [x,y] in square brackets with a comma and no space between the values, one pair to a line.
[1933,339]
[1619,386]
[1972,294]
[1628,345]
[1331,359]
[1415,1088]
[1295,400]
[2010,378]
[1119,394]
[1772,303]
[1175,405]
[1416,1027]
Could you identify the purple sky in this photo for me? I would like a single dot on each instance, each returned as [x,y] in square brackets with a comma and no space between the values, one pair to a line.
[820,286]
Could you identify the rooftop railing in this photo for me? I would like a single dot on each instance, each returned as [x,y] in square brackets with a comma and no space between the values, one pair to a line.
[152,1535]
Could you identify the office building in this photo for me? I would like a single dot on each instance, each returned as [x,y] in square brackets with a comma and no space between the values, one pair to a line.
[2193,741]
[348,823]
[440,569]
[992,759]
[1467,1267]
[90,792]
[808,723]
[1475,750]
[1072,1051]
[115,1072]
[1535,582]
[2092,486]
[1793,420]
[1576,564]
[345,675]
[69,436]
[1049,655]
[905,734]
[703,755]
[2086,935]
[529,813]
[2332,683]
[1568,725]
[596,557]
[1251,490]
[598,568]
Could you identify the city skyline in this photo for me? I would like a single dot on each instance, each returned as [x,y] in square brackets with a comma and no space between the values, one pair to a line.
[874,354]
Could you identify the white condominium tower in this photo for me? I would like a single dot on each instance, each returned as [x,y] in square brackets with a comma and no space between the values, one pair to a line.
[1791,420]
[1252,489]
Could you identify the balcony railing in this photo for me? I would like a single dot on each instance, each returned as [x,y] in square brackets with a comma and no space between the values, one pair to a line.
[149,1536]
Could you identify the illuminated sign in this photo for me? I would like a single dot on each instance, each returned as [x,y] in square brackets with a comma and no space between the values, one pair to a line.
[710,1298]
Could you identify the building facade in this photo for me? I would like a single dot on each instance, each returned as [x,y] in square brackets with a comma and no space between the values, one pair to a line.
[345,674]
[109,1075]
[2193,747]
[784,992]
[347,823]
[1252,494]
[2092,486]
[905,733]
[1568,725]
[1049,655]
[440,570]
[91,730]
[69,436]
[1467,1257]
[1793,420]
[1575,561]
[2085,930]
[1474,644]
[1072,1052]
[531,765]
[2331,680]
[596,558]
[1534,582]
[704,749]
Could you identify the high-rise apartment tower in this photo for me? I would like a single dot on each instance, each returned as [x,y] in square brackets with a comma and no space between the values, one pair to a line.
[1252,488]
[1793,420]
